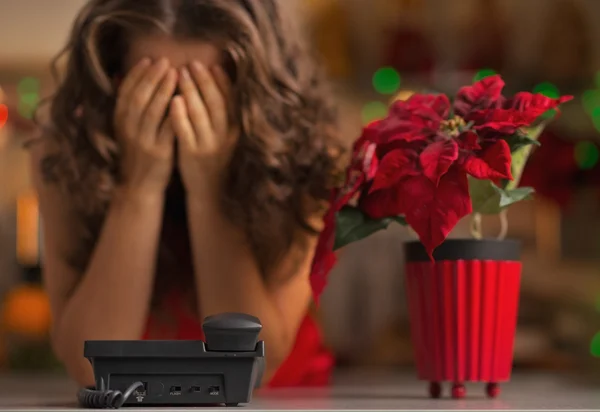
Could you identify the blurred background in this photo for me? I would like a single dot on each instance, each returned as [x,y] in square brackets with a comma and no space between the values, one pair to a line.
[374,51]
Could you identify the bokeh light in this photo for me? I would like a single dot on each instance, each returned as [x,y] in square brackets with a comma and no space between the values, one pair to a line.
[483,73]
[402,95]
[596,118]
[548,90]
[597,79]
[26,110]
[586,155]
[29,96]
[28,85]
[373,111]
[595,345]
[590,100]
[30,99]
[549,114]
[3,115]
[387,80]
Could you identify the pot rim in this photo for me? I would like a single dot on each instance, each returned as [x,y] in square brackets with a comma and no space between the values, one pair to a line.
[466,249]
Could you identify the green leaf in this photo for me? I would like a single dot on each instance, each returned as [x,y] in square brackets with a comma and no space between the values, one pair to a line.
[400,220]
[466,127]
[489,199]
[520,140]
[484,197]
[521,155]
[510,197]
[534,132]
[353,225]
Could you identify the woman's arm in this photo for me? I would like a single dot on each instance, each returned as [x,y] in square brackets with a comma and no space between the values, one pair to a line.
[228,279]
[111,299]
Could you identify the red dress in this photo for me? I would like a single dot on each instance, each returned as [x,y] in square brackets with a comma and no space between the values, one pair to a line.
[309,363]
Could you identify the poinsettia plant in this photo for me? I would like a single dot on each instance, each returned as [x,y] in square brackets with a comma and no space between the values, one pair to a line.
[432,161]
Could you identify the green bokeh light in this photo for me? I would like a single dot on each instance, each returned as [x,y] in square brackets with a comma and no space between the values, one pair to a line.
[28,85]
[387,80]
[598,304]
[590,100]
[31,99]
[595,345]
[548,90]
[482,74]
[373,111]
[586,155]
[28,103]
[26,109]
[549,114]
[596,118]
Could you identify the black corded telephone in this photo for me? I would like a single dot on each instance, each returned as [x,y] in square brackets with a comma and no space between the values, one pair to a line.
[223,370]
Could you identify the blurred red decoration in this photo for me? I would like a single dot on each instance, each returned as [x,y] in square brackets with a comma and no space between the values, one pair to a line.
[409,51]
[3,115]
[488,48]
[553,171]
[555,182]
[20,123]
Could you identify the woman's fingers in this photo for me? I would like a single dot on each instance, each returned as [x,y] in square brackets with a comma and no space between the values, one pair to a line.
[197,117]
[213,97]
[125,89]
[223,82]
[133,77]
[181,123]
[196,109]
[166,134]
[140,97]
[157,108]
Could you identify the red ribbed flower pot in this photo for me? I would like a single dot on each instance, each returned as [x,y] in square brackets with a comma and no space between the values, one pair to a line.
[463,312]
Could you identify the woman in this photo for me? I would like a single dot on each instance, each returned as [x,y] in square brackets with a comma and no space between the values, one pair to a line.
[184,172]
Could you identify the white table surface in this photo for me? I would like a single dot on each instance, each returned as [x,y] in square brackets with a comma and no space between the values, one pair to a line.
[360,391]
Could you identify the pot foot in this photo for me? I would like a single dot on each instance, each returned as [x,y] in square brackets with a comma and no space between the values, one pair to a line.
[458,391]
[435,390]
[492,390]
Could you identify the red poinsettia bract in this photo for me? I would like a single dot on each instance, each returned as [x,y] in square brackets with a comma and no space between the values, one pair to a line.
[427,147]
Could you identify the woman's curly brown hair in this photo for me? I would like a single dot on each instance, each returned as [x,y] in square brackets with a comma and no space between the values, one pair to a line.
[288,150]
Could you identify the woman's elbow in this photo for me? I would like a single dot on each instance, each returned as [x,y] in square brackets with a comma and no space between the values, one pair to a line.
[84,377]
[77,366]
[58,347]
[277,352]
